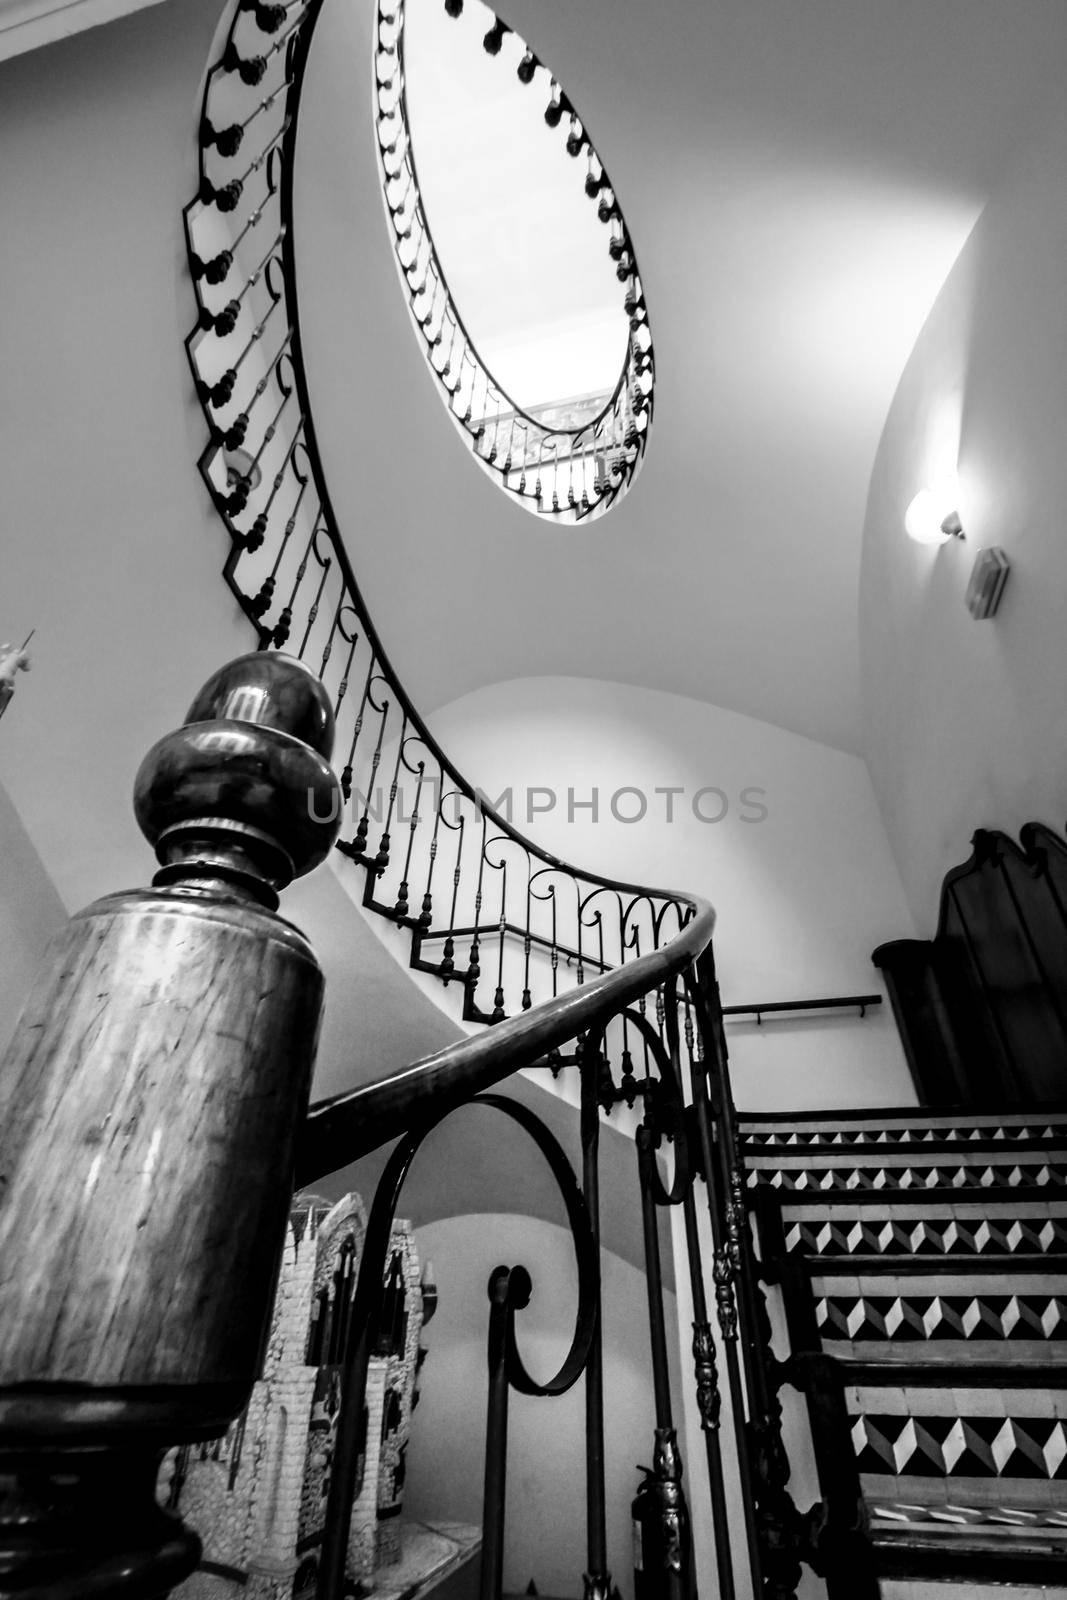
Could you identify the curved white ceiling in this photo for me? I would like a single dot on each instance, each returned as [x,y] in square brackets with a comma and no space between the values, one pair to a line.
[798,180]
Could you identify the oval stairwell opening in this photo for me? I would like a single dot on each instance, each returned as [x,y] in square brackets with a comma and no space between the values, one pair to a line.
[518,267]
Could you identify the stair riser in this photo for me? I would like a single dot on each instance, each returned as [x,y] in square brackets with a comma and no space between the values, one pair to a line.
[931,1176]
[930,1237]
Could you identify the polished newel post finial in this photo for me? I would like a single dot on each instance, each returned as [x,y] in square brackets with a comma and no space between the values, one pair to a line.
[150,1101]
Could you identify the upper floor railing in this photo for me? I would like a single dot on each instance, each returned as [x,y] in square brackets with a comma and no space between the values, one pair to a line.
[575,464]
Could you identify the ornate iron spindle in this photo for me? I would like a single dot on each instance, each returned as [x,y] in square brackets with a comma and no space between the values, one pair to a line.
[261,603]
[325,563]
[448,964]
[285,620]
[381,860]
[474,969]
[222,323]
[705,1361]
[708,1122]
[498,997]
[674,1555]
[358,848]
[357,729]
[402,907]
[597,1578]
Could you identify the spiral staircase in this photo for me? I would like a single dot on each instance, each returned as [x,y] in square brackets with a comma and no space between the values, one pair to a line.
[936,1461]
[916,1256]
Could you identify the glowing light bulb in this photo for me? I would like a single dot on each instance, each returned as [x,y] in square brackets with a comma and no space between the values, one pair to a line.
[932,517]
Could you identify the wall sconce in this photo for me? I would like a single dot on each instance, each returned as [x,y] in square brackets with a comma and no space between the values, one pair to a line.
[986,585]
[932,516]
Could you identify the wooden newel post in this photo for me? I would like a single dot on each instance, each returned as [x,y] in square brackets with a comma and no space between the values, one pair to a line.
[149,1106]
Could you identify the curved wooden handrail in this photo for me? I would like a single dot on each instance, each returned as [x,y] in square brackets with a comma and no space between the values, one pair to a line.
[350,1125]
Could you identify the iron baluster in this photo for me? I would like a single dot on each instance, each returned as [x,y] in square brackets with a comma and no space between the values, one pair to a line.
[597,1578]
[366,1317]
[674,1555]
[723,1276]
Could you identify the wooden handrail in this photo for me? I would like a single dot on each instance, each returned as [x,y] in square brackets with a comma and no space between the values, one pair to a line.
[350,1125]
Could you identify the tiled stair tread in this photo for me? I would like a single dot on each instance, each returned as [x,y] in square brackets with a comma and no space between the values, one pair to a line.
[965,1589]
[990,1502]
[959,1551]
[934,1247]
[913,1116]
[880,1269]
[998,1202]
[1001,1310]
[904,1135]
[859,1238]
[1015,1275]
[914,1398]
[428,1553]
[961,1436]
[916,1175]
[962,1353]
[991,1152]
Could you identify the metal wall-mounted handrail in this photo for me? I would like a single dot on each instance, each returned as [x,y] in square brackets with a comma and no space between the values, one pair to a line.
[842,1002]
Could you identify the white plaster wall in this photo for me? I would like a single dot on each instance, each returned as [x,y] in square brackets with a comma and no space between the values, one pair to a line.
[965,722]
[109,544]
[111,547]
[545,1530]
[802,896]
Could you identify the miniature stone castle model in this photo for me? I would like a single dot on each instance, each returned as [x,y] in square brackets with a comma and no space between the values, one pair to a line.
[257,1497]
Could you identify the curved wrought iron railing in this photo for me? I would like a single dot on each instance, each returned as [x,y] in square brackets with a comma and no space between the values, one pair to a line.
[486,909]
[614,979]
[685,1105]
[571,467]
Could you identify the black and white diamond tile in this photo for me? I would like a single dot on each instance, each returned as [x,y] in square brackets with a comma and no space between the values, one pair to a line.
[786,1138]
[926,1236]
[935,1317]
[1037,1174]
[964,1447]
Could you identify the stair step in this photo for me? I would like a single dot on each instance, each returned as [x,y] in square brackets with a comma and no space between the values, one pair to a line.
[933,1246]
[911,1169]
[917,1225]
[976,1318]
[1003,1201]
[963,1549]
[967,1589]
[1007,1444]
[868,1151]
[901,1125]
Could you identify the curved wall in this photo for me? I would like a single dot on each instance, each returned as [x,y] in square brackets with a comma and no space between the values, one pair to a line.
[797,865]
[965,721]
